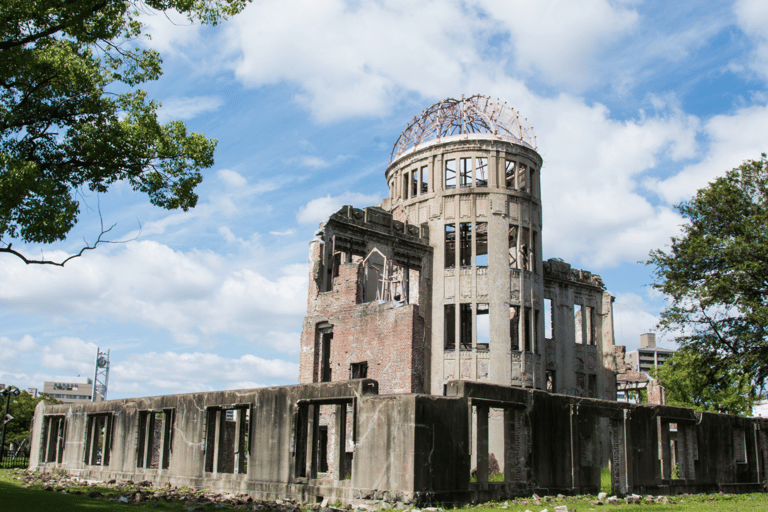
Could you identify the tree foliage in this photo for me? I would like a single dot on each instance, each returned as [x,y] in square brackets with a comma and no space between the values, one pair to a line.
[72,118]
[700,383]
[715,274]
[22,408]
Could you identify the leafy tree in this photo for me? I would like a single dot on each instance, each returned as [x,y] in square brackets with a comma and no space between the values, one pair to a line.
[22,408]
[73,120]
[698,382]
[715,274]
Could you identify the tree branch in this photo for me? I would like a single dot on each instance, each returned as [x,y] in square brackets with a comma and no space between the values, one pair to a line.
[87,247]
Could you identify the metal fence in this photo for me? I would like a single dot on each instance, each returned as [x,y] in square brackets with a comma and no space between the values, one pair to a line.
[14,459]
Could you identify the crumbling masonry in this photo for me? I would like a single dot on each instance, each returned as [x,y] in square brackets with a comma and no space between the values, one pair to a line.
[438,347]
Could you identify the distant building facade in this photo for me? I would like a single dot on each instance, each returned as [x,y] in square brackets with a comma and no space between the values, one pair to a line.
[70,392]
[648,355]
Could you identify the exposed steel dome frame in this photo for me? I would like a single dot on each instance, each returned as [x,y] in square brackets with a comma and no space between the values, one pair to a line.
[476,114]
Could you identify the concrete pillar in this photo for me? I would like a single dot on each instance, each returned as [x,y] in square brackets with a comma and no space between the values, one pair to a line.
[664,454]
[339,469]
[482,443]
[313,426]
[510,453]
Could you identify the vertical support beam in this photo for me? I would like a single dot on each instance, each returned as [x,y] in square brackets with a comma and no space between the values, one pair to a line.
[690,467]
[618,460]
[680,455]
[217,438]
[239,441]
[95,429]
[763,447]
[313,419]
[149,438]
[168,421]
[629,476]
[339,469]
[575,452]
[664,455]
[510,452]
[52,431]
[482,443]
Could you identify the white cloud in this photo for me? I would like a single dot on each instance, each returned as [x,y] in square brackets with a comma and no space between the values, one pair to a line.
[65,358]
[353,60]
[752,17]
[69,356]
[188,294]
[10,349]
[632,316]
[169,30]
[595,210]
[732,138]
[188,108]
[232,178]
[564,47]
[173,372]
[319,209]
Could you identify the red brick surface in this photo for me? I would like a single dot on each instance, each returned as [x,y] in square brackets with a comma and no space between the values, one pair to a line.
[389,336]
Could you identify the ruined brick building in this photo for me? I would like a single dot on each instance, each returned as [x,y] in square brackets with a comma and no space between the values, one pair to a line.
[445,280]
[435,337]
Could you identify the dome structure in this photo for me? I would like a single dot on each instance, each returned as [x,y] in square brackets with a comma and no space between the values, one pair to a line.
[476,114]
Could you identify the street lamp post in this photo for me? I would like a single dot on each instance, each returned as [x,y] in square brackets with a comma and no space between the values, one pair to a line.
[7,393]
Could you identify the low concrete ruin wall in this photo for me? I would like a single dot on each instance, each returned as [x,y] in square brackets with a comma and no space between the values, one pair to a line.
[343,441]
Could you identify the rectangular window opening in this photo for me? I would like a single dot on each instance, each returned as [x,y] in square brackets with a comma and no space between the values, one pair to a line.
[326,339]
[53,439]
[227,439]
[449,327]
[578,324]
[414,183]
[424,179]
[359,370]
[450,246]
[405,185]
[532,256]
[548,319]
[465,237]
[450,174]
[483,327]
[551,382]
[302,431]
[522,178]
[514,327]
[536,316]
[465,326]
[590,327]
[481,245]
[98,441]
[155,439]
[481,172]
[509,174]
[592,386]
[465,172]
[527,329]
[513,254]
[322,449]
[525,249]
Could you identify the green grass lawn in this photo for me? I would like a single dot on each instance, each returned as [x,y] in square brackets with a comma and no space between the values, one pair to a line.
[14,496]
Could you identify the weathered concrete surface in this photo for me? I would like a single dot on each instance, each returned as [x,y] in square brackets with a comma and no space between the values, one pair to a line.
[408,447]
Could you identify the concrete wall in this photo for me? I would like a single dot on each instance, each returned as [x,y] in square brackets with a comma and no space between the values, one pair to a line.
[408,447]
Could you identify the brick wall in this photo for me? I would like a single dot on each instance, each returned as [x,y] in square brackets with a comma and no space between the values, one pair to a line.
[389,336]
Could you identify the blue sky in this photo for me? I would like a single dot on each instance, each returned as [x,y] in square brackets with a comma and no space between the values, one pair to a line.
[635,105]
